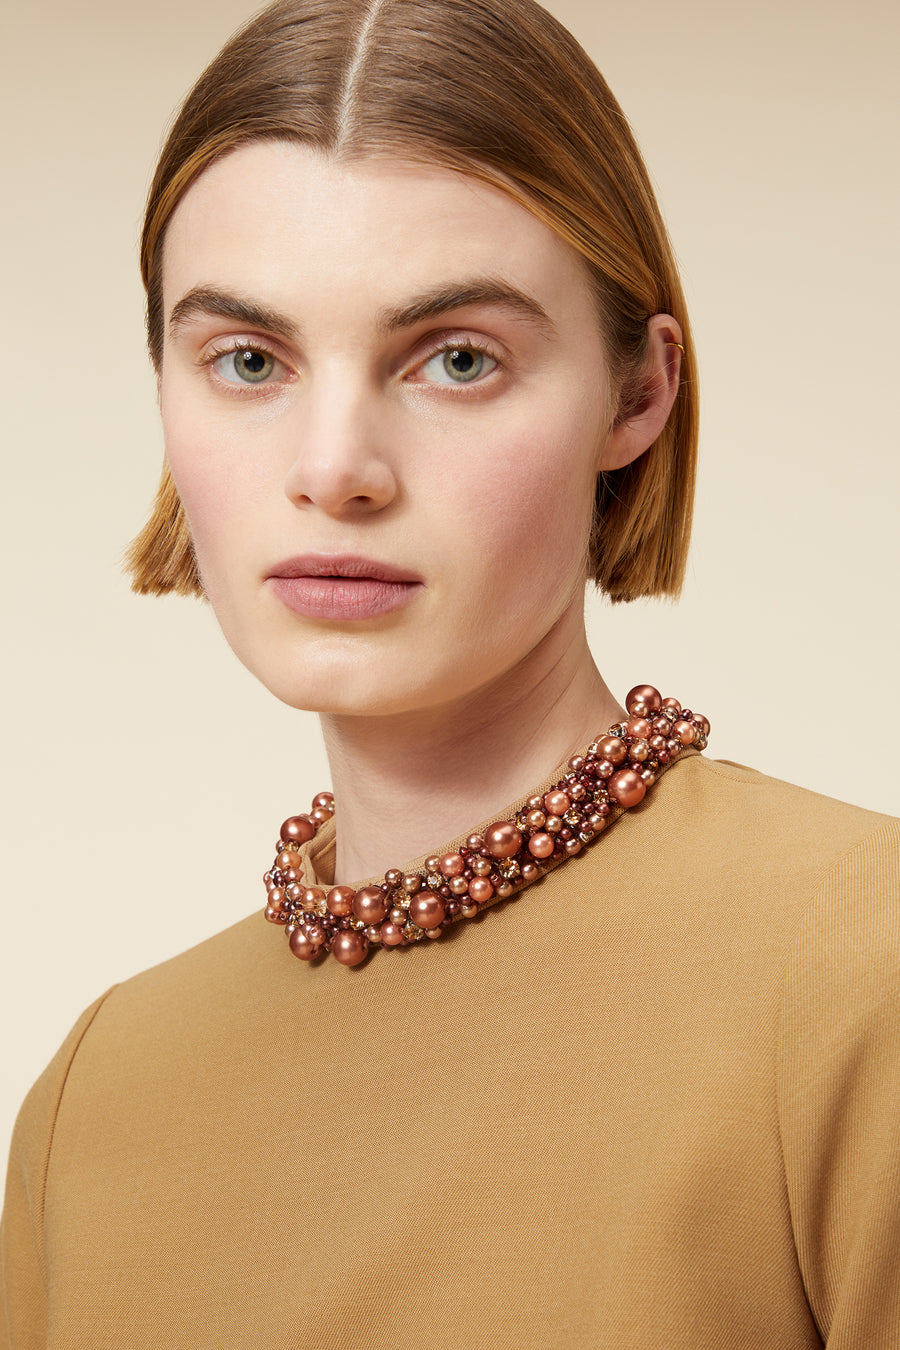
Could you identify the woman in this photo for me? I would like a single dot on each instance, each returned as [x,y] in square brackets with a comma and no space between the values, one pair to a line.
[424,367]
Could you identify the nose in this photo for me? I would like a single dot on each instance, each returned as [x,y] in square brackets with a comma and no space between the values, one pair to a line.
[340,463]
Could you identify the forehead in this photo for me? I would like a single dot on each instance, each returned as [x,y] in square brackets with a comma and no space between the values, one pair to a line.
[277,220]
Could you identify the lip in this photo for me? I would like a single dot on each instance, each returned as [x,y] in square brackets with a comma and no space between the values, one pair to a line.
[342,586]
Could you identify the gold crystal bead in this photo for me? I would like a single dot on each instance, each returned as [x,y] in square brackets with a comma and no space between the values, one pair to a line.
[509,870]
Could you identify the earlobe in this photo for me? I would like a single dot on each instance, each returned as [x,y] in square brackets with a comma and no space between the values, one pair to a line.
[636,432]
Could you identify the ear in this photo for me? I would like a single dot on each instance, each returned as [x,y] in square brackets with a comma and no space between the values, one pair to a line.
[662,369]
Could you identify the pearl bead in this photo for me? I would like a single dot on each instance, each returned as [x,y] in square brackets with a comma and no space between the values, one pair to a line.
[452,864]
[536,820]
[475,842]
[612,748]
[540,845]
[427,910]
[459,885]
[276,899]
[672,703]
[639,727]
[627,788]
[556,803]
[298,830]
[392,933]
[530,871]
[480,890]
[340,900]
[370,905]
[481,867]
[350,947]
[323,801]
[502,840]
[469,911]
[393,877]
[572,846]
[288,857]
[684,732]
[412,882]
[302,945]
[643,699]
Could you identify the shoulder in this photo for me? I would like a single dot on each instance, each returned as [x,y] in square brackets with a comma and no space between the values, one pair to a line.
[765,827]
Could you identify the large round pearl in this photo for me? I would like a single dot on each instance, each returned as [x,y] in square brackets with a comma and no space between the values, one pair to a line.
[643,700]
[627,787]
[502,840]
[340,901]
[556,803]
[303,946]
[427,910]
[297,830]
[349,946]
[612,748]
[371,905]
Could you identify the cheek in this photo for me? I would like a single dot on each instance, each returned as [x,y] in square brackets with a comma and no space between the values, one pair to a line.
[534,500]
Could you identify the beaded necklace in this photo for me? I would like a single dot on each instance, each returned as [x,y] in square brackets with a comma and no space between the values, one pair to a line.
[609,777]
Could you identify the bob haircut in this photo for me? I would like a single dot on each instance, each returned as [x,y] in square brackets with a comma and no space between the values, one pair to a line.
[497,90]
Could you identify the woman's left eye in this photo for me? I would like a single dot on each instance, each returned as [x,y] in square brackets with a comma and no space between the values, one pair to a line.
[458,365]
[245,365]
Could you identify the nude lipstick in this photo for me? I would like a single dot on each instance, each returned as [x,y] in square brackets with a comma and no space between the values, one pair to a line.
[341,587]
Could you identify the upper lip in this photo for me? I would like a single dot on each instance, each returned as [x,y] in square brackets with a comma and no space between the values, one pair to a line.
[341,565]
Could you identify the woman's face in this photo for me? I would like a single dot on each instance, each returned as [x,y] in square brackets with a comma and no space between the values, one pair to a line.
[384,400]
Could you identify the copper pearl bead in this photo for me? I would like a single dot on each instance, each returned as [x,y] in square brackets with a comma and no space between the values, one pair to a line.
[303,946]
[643,700]
[502,840]
[340,901]
[627,787]
[287,858]
[412,882]
[480,890]
[350,947]
[612,748]
[541,845]
[685,732]
[451,864]
[427,910]
[391,934]
[323,801]
[371,905]
[556,803]
[297,830]
[640,728]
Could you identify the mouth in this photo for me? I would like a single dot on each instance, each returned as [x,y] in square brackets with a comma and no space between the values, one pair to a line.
[342,587]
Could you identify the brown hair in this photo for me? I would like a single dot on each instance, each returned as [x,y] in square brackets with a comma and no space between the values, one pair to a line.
[501,91]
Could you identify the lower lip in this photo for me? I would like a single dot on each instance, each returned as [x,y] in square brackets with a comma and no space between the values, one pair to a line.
[344,598]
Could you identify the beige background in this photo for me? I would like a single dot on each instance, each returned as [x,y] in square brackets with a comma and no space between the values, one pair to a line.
[145,771]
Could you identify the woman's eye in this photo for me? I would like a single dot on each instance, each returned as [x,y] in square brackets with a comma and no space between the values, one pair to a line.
[458,365]
[246,365]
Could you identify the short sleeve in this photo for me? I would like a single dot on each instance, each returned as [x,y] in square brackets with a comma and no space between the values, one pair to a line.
[839,1097]
[23,1295]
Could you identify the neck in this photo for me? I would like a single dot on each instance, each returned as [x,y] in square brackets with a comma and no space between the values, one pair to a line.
[406,784]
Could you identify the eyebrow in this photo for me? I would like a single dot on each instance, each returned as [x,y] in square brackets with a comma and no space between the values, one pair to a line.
[202,301]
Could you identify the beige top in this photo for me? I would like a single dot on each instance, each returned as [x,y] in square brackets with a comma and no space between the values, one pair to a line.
[654,1103]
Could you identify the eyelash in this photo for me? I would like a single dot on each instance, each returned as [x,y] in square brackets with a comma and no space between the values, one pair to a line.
[450,344]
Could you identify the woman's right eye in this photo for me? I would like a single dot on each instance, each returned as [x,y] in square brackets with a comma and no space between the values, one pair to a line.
[245,365]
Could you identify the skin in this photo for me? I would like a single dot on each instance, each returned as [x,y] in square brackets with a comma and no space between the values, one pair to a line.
[359,440]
